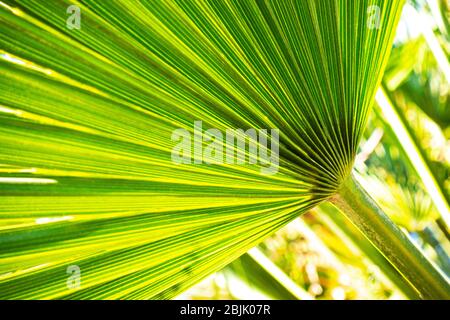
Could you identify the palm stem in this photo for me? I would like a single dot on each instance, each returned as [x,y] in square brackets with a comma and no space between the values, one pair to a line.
[359,245]
[362,210]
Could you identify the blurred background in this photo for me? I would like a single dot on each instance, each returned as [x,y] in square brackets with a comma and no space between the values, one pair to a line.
[404,160]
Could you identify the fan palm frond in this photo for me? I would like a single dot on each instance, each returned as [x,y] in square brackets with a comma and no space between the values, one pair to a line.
[86,119]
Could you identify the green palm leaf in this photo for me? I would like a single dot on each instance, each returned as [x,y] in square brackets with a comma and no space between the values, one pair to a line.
[85,133]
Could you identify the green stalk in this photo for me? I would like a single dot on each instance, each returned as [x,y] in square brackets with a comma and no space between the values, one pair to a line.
[355,240]
[362,210]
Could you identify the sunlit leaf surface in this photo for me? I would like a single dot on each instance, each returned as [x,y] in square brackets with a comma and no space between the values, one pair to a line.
[86,119]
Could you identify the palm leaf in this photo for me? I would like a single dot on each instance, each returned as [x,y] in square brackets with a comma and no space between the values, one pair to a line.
[86,119]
